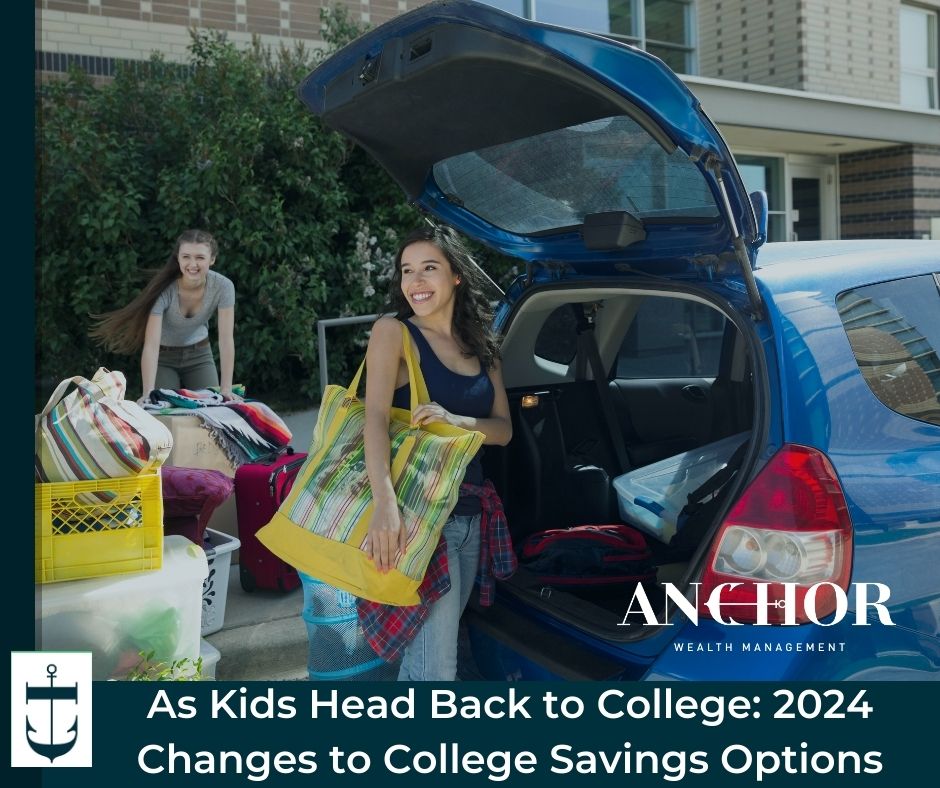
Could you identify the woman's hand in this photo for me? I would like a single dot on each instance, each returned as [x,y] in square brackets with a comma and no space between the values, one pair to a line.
[432,412]
[387,534]
[230,396]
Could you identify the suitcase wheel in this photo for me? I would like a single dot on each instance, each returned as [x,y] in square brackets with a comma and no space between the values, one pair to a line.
[247,579]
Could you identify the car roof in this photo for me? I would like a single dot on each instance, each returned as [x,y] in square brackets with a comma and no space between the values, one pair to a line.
[834,266]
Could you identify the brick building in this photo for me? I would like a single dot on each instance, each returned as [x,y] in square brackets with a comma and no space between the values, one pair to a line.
[831,106]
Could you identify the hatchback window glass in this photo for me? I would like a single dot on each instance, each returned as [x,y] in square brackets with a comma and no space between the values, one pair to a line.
[554,180]
[894,331]
[672,338]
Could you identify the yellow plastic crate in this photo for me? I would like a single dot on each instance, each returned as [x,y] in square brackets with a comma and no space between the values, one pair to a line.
[78,536]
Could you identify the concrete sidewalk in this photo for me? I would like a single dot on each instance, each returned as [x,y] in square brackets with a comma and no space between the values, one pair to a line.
[301,424]
[263,637]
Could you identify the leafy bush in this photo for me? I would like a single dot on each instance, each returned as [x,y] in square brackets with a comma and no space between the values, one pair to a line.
[150,669]
[306,223]
[223,145]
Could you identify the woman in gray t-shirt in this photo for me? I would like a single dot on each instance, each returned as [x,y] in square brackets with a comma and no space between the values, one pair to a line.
[169,321]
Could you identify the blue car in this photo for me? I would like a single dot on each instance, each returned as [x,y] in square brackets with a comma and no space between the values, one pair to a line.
[766,415]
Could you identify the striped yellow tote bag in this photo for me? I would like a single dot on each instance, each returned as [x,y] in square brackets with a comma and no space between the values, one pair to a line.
[322,525]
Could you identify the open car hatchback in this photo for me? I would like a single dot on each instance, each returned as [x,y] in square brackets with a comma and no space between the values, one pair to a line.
[766,414]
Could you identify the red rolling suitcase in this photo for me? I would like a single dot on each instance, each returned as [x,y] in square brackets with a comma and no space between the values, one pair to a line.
[260,488]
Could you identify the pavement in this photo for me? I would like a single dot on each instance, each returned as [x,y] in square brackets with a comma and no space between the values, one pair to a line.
[301,424]
[263,637]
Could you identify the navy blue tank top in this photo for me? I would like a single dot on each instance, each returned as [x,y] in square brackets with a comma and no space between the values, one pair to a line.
[462,395]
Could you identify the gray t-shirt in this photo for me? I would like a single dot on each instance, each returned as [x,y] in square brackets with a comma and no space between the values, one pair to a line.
[179,330]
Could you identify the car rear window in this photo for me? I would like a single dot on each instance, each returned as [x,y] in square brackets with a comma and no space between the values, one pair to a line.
[667,338]
[554,180]
[894,331]
[672,338]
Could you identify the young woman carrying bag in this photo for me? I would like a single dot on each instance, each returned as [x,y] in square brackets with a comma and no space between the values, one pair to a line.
[436,291]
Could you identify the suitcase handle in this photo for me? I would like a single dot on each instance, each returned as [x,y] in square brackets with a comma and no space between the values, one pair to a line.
[273,456]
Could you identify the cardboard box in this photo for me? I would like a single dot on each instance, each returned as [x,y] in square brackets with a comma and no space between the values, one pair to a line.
[194,447]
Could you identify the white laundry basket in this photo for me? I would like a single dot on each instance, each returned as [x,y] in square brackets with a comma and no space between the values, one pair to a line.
[219,548]
[210,658]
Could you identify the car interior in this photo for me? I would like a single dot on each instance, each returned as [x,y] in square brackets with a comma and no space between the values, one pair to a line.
[674,376]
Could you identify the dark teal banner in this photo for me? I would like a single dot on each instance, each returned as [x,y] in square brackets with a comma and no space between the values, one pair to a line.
[533,734]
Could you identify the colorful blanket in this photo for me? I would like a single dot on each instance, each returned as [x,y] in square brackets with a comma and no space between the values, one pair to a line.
[245,431]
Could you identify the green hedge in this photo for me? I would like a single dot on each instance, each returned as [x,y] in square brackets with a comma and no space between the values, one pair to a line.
[305,223]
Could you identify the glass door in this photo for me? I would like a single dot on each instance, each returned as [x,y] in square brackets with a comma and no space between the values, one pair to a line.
[765,173]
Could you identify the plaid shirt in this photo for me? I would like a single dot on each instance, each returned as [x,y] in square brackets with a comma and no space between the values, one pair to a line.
[389,628]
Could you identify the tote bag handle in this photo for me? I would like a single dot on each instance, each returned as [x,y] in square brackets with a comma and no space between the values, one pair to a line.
[83,384]
[419,389]
[93,388]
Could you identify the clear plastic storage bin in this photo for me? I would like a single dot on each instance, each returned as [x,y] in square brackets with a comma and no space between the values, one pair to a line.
[651,497]
[121,617]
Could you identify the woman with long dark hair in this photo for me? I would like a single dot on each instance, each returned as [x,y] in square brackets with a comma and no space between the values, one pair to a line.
[436,291]
[168,322]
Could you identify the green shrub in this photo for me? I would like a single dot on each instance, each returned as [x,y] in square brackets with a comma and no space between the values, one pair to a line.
[306,223]
[150,669]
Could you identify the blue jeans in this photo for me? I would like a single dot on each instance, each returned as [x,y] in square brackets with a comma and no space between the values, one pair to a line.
[432,655]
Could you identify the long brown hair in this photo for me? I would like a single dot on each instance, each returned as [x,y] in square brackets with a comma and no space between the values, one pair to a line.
[122,331]
[472,314]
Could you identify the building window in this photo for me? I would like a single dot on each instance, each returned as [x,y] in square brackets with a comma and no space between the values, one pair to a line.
[765,174]
[918,57]
[662,27]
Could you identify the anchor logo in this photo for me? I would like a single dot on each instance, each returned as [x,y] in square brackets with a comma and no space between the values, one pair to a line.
[52,749]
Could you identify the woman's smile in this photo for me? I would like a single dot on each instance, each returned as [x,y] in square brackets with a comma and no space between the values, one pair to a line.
[427,279]
[195,260]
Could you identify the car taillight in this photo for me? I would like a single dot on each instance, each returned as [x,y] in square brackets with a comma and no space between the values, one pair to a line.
[789,531]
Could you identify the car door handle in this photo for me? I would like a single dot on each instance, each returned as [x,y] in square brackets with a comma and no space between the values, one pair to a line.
[694,393]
